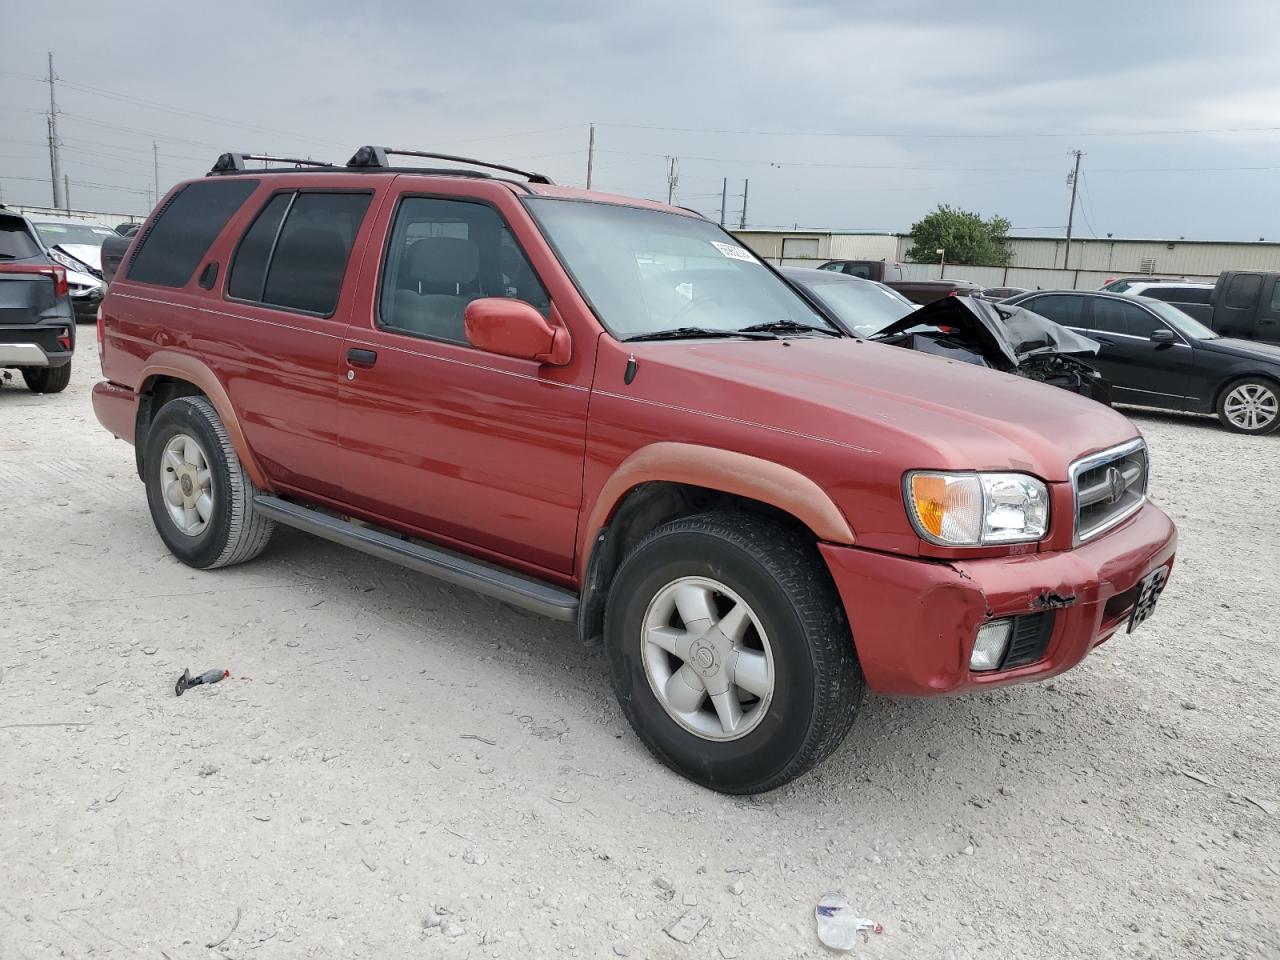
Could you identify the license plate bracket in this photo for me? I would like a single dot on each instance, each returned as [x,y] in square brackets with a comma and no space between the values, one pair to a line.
[1149,588]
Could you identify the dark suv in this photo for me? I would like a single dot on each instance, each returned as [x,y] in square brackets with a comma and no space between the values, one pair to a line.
[37,321]
[608,411]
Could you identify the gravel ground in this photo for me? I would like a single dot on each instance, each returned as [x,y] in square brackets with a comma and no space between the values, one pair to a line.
[402,769]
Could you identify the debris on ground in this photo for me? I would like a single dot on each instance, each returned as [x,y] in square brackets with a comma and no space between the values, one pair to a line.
[687,927]
[187,681]
[838,925]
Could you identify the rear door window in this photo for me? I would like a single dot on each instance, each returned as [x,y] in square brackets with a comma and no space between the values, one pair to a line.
[294,255]
[184,228]
[1060,308]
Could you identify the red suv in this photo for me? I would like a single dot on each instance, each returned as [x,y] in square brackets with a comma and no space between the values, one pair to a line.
[608,411]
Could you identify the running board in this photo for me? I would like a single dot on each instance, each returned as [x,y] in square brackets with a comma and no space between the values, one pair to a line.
[485,578]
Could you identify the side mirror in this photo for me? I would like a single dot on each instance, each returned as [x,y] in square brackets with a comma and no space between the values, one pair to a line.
[512,328]
[1163,335]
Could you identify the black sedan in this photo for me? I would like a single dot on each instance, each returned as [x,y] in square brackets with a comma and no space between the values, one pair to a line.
[965,329]
[1154,355]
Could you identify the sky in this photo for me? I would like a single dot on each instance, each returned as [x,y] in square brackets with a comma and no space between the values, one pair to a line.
[842,114]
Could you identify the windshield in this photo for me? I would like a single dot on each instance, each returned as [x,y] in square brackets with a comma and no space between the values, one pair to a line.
[862,306]
[56,233]
[1184,323]
[648,271]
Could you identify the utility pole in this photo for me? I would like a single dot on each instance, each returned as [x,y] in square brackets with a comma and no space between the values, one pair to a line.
[724,196]
[155,167]
[673,176]
[742,220]
[55,164]
[66,190]
[591,153]
[1071,213]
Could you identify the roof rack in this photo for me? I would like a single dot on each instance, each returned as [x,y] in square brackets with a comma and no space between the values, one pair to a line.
[235,162]
[376,157]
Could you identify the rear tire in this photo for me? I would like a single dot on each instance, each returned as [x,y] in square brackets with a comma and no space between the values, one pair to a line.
[47,379]
[779,679]
[1250,405]
[200,496]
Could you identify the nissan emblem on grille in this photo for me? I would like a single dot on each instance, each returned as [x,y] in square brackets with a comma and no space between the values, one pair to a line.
[1115,484]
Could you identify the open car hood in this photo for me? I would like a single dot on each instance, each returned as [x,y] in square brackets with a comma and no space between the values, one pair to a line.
[1008,335]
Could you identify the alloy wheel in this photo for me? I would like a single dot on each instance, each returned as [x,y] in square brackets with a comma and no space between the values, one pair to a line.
[186,483]
[707,658]
[1251,406]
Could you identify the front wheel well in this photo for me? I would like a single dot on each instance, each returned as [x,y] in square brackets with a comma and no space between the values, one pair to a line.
[641,510]
[1232,380]
[152,396]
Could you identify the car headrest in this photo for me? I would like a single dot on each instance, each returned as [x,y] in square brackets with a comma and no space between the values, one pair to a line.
[443,260]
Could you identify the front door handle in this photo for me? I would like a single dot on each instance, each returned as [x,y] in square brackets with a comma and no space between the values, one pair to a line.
[1103,339]
[362,358]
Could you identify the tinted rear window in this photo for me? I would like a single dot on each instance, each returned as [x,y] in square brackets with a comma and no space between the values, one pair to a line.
[15,242]
[1179,294]
[185,228]
[298,264]
[249,268]
[1243,291]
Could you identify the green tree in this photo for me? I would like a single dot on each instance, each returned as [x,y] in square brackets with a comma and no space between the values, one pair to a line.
[966,238]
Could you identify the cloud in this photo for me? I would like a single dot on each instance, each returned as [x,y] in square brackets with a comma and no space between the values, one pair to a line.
[737,91]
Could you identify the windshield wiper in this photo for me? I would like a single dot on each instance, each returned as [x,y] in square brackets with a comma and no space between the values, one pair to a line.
[694,333]
[788,326]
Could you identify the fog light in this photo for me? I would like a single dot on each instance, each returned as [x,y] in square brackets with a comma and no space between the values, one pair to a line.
[989,647]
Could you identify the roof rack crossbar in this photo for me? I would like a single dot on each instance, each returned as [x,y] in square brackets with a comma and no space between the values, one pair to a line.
[369,156]
[235,162]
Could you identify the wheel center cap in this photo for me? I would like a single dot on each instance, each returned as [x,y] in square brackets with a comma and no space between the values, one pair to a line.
[187,485]
[703,658]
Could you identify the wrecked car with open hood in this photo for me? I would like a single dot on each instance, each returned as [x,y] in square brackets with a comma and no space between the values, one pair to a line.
[967,329]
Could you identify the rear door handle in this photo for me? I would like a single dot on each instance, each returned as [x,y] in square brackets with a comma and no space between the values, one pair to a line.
[1102,339]
[362,358]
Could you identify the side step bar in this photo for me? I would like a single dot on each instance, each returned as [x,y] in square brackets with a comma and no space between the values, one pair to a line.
[485,578]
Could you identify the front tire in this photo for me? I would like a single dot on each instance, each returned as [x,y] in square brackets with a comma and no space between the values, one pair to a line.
[1250,405]
[200,496]
[730,653]
[47,379]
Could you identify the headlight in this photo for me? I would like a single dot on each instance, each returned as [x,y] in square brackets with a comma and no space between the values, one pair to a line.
[977,509]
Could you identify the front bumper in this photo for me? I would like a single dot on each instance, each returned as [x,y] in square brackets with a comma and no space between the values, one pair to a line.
[914,621]
[85,305]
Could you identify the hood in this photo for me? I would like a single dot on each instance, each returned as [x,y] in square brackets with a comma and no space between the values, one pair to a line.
[84,252]
[891,408]
[1252,349]
[1006,333]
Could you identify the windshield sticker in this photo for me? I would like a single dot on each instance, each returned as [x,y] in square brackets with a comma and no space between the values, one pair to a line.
[734,252]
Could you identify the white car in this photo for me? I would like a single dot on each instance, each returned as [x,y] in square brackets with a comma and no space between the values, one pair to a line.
[77,245]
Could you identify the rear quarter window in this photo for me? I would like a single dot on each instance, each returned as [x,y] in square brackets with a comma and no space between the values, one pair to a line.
[184,229]
[1243,290]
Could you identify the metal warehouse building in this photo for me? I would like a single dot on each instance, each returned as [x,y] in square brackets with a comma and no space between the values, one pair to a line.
[1036,262]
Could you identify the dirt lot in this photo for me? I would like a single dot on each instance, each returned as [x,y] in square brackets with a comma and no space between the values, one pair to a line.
[403,769]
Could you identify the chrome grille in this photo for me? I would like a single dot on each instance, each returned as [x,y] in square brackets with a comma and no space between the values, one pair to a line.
[1109,486]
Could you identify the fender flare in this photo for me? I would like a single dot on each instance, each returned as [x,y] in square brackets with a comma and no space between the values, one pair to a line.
[181,366]
[727,471]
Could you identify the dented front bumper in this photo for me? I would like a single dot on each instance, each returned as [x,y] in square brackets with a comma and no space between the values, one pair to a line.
[914,621]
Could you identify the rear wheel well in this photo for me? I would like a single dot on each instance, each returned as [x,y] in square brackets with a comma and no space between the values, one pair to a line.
[641,510]
[155,393]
